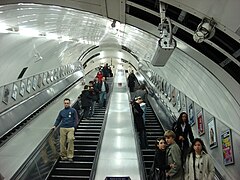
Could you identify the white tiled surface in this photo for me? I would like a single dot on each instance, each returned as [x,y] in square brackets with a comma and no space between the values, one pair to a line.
[118,156]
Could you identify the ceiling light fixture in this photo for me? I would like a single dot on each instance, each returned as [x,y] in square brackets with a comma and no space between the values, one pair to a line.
[205,30]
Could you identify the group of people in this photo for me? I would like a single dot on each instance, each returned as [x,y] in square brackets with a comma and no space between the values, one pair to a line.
[95,92]
[176,159]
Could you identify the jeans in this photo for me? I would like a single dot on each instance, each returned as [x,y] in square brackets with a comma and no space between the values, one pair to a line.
[102,97]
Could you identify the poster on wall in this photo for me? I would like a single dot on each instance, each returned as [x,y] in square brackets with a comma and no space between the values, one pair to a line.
[173,94]
[14,91]
[44,82]
[200,122]
[191,114]
[179,106]
[227,148]
[29,85]
[35,81]
[22,88]
[6,93]
[39,80]
[212,133]
[169,93]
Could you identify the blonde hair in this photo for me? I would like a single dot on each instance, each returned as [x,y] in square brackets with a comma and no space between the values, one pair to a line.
[169,133]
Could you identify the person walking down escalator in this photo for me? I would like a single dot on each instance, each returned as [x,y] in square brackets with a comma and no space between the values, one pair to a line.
[131,81]
[68,119]
[93,93]
[139,123]
[159,166]
[86,101]
[183,130]
[103,90]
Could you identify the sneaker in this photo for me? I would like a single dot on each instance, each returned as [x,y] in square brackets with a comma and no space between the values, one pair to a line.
[64,158]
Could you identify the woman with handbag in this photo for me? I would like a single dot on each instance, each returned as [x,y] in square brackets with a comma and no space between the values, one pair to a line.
[159,167]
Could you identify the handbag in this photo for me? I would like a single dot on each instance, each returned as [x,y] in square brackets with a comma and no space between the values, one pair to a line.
[154,174]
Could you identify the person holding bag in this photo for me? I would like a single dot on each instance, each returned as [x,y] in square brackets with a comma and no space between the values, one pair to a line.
[159,167]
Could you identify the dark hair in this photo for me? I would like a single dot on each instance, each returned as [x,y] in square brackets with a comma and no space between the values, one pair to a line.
[91,82]
[85,87]
[142,87]
[158,140]
[66,99]
[180,118]
[201,142]
[193,151]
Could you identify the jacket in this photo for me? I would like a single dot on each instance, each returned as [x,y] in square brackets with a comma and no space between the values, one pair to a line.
[187,132]
[86,98]
[67,118]
[207,169]
[174,157]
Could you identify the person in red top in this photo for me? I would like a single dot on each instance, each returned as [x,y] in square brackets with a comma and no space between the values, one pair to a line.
[99,75]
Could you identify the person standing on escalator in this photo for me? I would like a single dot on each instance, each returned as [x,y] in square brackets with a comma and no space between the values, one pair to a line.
[68,119]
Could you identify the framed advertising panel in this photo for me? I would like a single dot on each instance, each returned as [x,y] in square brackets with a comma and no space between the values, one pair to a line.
[191,114]
[169,92]
[173,95]
[29,85]
[22,88]
[39,83]
[183,102]
[200,123]
[14,91]
[178,101]
[35,81]
[212,133]
[227,149]
[44,81]
[6,93]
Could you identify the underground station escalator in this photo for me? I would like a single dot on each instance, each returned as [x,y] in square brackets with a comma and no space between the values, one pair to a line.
[86,143]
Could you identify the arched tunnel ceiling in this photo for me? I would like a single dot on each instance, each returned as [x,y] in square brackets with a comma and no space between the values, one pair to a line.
[223,48]
[79,27]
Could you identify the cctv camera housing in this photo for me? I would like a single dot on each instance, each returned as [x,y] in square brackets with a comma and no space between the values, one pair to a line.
[163,52]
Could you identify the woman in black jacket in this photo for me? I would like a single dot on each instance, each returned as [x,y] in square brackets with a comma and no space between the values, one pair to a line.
[183,133]
[159,167]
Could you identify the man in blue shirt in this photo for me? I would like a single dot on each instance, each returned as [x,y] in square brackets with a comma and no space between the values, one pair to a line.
[67,118]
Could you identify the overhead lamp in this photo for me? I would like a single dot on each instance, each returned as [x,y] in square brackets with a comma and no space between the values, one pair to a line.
[205,30]
[166,43]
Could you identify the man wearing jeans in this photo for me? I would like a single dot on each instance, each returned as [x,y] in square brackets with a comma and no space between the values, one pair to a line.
[67,118]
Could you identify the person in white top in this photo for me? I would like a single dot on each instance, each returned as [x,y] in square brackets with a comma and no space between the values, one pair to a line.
[199,165]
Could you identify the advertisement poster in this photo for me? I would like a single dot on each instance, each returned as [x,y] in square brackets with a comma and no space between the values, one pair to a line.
[35,81]
[200,122]
[191,114]
[227,147]
[14,91]
[29,85]
[6,93]
[22,88]
[174,96]
[212,133]
[179,106]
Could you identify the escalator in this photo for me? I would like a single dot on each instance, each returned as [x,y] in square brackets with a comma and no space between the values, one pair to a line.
[153,131]
[85,145]
[87,140]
